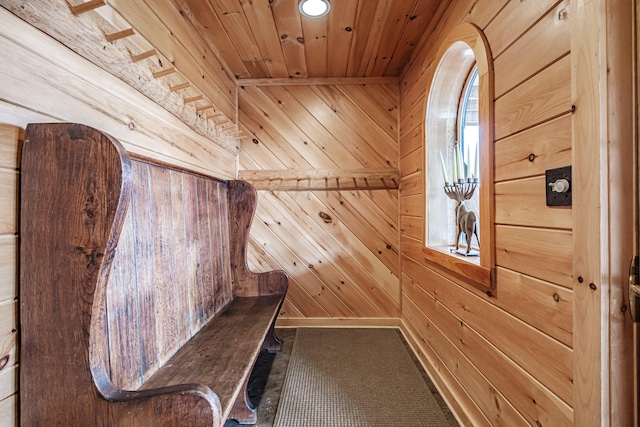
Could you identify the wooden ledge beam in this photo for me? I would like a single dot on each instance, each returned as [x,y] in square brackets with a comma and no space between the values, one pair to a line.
[86,7]
[310,81]
[322,179]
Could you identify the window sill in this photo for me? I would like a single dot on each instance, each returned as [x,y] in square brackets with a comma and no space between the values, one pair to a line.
[460,265]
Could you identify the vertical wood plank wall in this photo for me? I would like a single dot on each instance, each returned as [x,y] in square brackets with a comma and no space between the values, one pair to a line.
[339,247]
[503,360]
[42,81]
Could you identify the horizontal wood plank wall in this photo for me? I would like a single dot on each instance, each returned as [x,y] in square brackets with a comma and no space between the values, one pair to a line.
[42,81]
[185,286]
[506,359]
[45,81]
[340,247]
[158,54]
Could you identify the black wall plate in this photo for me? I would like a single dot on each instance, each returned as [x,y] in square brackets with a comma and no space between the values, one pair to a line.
[554,198]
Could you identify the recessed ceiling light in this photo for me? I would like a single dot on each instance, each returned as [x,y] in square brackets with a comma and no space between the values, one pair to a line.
[314,8]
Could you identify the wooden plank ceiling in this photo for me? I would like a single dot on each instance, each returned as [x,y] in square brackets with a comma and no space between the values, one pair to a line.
[271,39]
[190,55]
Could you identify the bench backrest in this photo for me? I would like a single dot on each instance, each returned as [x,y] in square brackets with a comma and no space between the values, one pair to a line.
[171,271]
[121,263]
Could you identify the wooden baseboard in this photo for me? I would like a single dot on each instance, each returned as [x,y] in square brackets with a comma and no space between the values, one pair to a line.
[333,322]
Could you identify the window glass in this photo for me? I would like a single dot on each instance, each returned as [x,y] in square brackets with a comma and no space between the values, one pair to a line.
[469,131]
[469,140]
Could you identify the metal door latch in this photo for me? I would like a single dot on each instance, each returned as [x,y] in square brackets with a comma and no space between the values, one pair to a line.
[634,289]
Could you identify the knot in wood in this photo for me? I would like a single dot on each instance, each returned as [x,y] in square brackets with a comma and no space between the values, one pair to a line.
[326,217]
[4,361]
[562,14]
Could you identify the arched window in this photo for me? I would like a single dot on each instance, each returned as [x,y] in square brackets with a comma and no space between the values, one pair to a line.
[459,159]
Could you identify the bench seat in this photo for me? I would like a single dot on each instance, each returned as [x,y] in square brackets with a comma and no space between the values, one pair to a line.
[221,368]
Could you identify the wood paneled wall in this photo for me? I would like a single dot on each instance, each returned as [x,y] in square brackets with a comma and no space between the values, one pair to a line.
[62,86]
[506,359]
[355,256]
[42,81]
[160,56]
[340,247]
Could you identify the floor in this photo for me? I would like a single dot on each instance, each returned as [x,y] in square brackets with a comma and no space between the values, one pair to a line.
[268,375]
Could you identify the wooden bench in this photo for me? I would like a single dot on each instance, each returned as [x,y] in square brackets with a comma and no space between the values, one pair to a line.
[136,304]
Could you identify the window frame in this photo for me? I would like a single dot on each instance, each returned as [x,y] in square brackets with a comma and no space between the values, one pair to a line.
[452,62]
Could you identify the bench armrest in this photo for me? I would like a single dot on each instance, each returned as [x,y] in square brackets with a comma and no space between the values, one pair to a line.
[185,404]
[273,282]
[242,201]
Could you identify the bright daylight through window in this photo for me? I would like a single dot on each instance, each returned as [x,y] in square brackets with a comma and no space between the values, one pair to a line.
[469,140]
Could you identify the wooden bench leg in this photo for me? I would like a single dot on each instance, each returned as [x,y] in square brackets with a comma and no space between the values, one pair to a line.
[243,410]
[271,342]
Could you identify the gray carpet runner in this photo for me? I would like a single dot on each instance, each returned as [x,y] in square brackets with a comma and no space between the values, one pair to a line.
[354,377]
